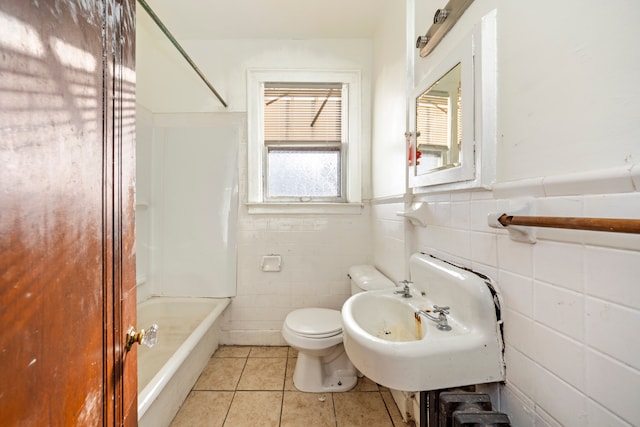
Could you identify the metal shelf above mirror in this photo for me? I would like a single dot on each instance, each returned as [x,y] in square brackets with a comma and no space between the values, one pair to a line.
[443,20]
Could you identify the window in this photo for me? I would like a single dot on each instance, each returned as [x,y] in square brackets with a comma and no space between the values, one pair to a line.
[304,140]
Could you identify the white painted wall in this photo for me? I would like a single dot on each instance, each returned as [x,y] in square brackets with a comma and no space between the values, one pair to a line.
[568,139]
[587,66]
[567,102]
[388,158]
[316,250]
[389,149]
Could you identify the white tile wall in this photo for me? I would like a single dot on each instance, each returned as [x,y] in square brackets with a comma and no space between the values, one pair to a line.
[571,301]
[514,256]
[625,206]
[564,403]
[518,331]
[517,292]
[559,264]
[600,416]
[389,233]
[547,344]
[614,385]
[521,372]
[483,247]
[559,309]
[613,275]
[519,413]
[605,322]
[316,252]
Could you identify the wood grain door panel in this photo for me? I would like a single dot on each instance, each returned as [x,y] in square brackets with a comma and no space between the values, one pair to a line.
[66,213]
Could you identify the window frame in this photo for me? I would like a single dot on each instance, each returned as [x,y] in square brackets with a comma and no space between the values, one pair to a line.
[351,145]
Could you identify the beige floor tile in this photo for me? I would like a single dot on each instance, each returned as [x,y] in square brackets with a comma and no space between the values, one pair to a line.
[358,408]
[232,351]
[393,410]
[269,352]
[258,375]
[203,408]
[263,373]
[221,374]
[365,384]
[288,379]
[307,409]
[255,409]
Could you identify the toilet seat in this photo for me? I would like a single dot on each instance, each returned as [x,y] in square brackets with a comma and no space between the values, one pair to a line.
[314,323]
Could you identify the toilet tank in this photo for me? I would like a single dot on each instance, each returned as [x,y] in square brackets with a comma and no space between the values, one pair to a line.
[368,278]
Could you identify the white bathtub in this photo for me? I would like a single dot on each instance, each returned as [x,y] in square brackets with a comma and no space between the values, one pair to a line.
[188,331]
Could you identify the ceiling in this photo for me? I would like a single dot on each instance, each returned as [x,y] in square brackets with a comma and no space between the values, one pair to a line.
[273,19]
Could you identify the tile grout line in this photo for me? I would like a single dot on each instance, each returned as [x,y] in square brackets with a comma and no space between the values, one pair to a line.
[235,389]
[335,414]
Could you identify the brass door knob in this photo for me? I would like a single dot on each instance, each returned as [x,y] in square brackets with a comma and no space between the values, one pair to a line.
[148,337]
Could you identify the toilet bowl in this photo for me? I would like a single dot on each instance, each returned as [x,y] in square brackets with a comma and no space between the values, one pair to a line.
[322,364]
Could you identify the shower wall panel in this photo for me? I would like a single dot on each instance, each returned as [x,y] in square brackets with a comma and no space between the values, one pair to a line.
[195,202]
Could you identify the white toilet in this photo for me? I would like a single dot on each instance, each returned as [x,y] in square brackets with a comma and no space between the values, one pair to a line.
[323,365]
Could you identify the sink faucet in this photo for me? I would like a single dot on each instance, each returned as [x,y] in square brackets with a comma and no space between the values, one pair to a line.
[405,292]
[441,320]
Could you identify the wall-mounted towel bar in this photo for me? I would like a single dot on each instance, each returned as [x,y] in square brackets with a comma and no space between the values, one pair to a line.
[175,43]
[593,224]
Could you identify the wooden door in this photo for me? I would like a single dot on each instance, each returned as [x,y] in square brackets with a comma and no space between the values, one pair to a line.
[67,258]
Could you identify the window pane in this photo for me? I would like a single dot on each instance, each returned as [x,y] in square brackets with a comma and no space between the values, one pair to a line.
[304,173]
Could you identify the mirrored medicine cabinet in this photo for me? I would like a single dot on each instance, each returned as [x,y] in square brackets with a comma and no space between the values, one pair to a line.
[452,116]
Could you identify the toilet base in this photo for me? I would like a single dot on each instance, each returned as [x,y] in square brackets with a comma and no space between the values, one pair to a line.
[332,372]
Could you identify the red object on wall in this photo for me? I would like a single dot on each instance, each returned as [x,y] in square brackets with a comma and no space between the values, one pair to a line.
[418,154]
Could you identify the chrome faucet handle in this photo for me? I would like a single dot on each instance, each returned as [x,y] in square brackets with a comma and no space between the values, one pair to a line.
[443,324]
[406,291]
[442,310]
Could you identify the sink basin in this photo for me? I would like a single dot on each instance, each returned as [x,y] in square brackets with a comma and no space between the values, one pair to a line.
[387,317]
[388,342]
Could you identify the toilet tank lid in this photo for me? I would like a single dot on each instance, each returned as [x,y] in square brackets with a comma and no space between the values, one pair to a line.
[368,278]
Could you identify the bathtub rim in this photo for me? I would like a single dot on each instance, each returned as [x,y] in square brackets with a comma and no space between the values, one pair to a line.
[152,390]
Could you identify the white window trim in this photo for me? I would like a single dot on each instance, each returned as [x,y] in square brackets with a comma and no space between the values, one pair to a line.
[255,81]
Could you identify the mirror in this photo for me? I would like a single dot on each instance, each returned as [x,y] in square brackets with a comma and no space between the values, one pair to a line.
[439,121]
[442,119]
[453,110]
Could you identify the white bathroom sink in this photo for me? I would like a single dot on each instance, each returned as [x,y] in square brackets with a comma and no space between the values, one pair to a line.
[386,316]
[388,342]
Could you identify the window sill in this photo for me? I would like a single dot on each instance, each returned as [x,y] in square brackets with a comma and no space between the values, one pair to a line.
[305,208]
